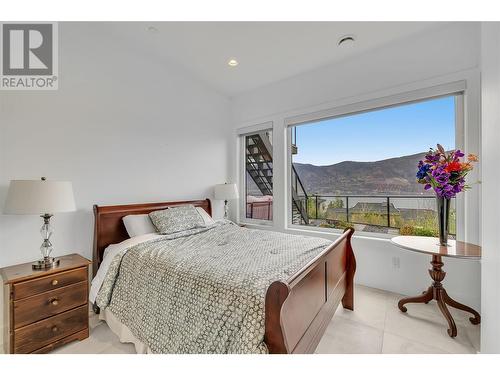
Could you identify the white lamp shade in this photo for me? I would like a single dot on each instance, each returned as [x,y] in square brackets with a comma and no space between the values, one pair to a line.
[36,197]
[226,192]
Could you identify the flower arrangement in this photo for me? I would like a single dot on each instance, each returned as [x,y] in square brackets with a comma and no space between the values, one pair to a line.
[444,171]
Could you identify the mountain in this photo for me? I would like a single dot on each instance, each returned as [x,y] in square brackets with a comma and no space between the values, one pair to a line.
[390,176]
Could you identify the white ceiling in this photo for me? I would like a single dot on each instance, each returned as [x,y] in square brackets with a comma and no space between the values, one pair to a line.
[266,51]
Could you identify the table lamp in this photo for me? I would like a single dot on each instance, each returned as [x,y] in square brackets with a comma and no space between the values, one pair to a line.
[44,198]
[226,192]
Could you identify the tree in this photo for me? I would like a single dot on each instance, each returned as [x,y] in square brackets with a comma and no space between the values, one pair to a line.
[337,203]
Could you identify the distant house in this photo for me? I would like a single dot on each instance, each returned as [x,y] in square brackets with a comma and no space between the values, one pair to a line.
[378,207]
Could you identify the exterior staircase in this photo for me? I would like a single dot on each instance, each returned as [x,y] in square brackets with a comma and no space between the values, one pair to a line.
[259,165]
[259,161]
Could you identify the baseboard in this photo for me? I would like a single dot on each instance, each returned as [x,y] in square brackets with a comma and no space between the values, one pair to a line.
[2,320]
[1,334]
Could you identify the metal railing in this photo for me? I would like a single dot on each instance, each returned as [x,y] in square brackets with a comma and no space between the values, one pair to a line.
[385,211]
[299,196]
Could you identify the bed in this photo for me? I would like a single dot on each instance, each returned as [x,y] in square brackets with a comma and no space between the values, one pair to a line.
[296,307]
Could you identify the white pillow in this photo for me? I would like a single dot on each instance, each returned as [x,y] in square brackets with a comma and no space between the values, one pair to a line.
[137,225]
[206,217]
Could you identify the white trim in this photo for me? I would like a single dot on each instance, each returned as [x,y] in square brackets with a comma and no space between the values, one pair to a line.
[337,232]
[380,103]
[329,234]
[281,180]
[288,181]
[245,130]
[470,76]
[460,143]
[472,144]
[408,97]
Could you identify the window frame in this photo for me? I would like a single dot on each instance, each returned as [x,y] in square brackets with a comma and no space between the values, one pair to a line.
[242,133]
[457,89]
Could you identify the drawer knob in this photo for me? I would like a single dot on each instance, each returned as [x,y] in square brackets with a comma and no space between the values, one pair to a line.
[54,302]
[55,329]
[55,282]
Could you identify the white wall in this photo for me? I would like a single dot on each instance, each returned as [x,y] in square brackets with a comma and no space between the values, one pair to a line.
[447,54]
[122,127]
[490,278]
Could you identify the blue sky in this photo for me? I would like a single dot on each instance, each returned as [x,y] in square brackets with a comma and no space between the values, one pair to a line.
[377,135]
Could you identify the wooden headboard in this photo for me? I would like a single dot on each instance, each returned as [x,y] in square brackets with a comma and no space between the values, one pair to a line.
[109,227]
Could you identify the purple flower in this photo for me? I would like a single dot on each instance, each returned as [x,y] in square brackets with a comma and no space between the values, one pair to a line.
[459,154]
[457,189]
[431,158]
[427,186]
[440,175]
[445,191]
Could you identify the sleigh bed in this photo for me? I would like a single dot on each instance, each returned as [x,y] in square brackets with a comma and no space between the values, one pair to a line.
[296,308]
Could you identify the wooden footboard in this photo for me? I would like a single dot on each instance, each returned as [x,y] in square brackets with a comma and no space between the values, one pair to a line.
[299,310]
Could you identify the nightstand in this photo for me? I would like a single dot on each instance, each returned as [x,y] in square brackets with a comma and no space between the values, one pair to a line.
[45,309]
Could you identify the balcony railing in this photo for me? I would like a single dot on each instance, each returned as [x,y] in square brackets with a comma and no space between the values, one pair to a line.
[409,214]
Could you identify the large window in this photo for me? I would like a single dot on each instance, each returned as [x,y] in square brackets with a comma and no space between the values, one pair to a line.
[258,151]
[359,169]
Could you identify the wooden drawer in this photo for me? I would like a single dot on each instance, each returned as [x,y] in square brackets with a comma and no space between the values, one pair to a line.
[41,306]
[44,284]
[75,336]
[37,335]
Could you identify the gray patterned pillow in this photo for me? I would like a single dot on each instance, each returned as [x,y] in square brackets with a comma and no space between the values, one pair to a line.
[176,219]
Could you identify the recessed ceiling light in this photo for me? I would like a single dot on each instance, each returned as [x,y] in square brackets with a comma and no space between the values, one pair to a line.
[346,40]
[232,63]
[152,29]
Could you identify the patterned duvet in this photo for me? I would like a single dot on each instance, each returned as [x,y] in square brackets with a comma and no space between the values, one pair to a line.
[203,292]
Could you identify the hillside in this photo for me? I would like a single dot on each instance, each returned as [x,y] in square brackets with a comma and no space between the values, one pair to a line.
[390,176]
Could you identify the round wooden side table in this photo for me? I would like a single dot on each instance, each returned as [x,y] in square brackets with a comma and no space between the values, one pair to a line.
[455,249]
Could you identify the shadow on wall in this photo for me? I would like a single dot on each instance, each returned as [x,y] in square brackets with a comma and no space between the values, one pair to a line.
[20,238]
[81,223]
[3,195]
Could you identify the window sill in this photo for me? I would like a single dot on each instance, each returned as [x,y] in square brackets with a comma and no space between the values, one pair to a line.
[314,231]
[254,224]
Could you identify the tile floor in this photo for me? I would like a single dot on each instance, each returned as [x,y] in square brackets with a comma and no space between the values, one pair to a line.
[376,326]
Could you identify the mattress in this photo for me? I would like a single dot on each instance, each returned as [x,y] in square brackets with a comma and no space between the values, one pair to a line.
[198,292]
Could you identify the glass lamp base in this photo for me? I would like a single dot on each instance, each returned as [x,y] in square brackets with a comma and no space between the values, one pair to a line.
[226,210]
[46,263]
[46,248]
